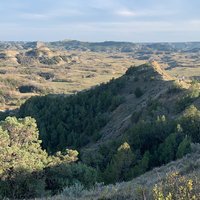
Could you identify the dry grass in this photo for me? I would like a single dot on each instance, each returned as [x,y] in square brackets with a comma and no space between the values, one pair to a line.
[81,70]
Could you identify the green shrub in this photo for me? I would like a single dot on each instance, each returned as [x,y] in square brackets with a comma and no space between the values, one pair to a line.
[66,175]
[138,92]
[188,99]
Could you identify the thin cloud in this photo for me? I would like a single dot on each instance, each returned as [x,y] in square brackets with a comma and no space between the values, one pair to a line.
[65,12]
[125,13]
[195,22]
[51,14]
[34,16]
[144,13]
[100,19]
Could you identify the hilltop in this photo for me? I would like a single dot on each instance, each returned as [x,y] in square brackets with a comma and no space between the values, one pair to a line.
[103,46]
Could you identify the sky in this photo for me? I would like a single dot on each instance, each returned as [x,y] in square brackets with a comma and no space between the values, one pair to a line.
[100,20]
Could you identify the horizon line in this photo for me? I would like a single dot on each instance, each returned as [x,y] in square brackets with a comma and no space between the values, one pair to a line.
[102,41]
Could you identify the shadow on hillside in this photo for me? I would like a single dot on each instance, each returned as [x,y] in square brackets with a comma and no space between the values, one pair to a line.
[23,184]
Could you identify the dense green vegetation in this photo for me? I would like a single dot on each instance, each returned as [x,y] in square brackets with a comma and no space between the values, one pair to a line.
[27,171]
[149,144]
[191,95]
[73,121]
[138,92]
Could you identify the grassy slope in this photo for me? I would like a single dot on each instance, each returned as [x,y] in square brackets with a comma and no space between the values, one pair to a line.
[188,166]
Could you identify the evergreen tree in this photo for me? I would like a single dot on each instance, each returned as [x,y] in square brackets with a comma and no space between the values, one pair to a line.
[190,122]
[184,147]
[20,156]
[25,167]
[118,169]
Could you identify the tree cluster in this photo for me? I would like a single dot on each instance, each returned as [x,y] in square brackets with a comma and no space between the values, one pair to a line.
[26,171]
[75,120]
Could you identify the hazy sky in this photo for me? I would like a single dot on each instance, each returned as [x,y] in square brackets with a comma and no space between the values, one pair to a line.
[100,20]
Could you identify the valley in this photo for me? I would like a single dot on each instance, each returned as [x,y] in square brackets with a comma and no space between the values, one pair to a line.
[67,67]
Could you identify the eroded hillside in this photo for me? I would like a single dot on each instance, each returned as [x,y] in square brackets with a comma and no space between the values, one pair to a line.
[159,96]
[39,70]
[65,67]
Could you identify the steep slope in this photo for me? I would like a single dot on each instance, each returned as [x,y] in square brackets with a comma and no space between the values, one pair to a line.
[105,112]
[153,81]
